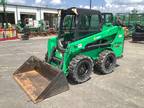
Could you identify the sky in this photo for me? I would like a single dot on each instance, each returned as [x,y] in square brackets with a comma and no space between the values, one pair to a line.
[102,5]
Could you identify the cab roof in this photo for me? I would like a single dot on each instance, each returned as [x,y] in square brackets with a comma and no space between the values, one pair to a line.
[78,11]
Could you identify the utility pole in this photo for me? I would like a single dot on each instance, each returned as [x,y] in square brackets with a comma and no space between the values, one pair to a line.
[90,4]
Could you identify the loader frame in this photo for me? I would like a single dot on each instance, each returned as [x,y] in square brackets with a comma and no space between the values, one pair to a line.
[108,37]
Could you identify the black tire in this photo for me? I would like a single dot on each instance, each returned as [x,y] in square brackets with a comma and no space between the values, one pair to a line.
[46,57]
[106,62]
[24,37]
[138,36]
[26,31]
[80,69]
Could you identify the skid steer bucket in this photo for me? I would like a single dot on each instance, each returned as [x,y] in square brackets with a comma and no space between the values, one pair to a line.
[40,80]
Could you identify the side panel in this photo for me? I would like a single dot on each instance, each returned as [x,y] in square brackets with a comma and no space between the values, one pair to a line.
[118,43]
[52,43]
[93,53]
[114,37]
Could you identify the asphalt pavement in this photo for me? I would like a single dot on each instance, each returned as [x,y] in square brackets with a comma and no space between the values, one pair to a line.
[124,88]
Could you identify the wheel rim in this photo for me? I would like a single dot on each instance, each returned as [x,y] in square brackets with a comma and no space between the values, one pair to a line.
[83,69]
[109,62]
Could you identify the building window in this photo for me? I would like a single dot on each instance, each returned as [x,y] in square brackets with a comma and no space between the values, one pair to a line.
[10,17]
[51,20]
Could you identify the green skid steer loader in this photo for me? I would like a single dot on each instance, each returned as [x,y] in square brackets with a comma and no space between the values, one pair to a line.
[83,42]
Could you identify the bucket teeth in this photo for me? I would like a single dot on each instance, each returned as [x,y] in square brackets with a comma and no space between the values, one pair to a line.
[40,80]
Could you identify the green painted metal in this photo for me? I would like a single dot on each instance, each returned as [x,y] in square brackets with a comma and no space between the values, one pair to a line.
[41,26]
[114,35]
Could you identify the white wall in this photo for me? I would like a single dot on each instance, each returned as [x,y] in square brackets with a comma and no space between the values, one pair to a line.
[10,9]
[21,9]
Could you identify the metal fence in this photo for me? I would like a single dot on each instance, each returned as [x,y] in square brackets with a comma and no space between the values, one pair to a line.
[8,34]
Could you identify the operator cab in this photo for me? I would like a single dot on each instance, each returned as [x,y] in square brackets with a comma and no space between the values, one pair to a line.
[77,23]
[107,18]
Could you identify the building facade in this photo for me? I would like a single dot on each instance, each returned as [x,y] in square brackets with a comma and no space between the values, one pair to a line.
[17,13]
